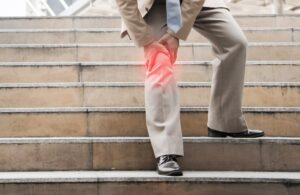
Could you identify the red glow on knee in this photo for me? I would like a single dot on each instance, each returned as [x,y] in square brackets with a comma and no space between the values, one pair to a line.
[159,67]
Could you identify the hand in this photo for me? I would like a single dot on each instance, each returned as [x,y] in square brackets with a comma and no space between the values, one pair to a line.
[172,44]
[153,48]
[150,52]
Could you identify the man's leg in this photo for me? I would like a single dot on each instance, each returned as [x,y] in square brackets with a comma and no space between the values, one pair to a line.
[161,93]
[162,106]
[229,45]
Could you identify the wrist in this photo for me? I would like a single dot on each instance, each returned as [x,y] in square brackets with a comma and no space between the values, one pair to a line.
[171,33]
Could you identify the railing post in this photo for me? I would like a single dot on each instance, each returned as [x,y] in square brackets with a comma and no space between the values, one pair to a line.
[277,7]
[33,8]
[65,5]
[91,3]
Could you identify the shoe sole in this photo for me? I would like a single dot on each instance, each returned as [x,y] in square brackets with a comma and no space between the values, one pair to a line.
[171,173]
[220,134]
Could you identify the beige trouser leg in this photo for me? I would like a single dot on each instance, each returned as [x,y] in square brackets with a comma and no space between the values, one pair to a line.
[229,45]
[161,93]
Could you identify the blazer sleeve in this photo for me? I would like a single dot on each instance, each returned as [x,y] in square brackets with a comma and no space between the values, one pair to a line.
[189,11]
[139,31]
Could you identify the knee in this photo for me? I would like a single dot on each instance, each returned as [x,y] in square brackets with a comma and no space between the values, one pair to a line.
[158,62]
[241,42]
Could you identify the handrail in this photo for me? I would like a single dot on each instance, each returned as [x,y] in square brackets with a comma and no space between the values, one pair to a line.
[72,9]
[36,11]
[277,6]
[49,9]
[77,7]
[65,5]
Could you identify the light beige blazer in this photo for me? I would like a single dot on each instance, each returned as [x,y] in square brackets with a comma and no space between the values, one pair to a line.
[133,24]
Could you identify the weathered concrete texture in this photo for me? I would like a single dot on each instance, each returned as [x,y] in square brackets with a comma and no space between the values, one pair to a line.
[257,51]
[31,23]
[198,71]
[146,182]
[149,176]
[108,94]
[115,22]
[103,35]
[50,189]
[45,157]
[296,36]
[29,37]
[125,51]
[115,122]
[43,124]
[199,188]
[33,74]
[41,97]
[149,188]
[267,154]
[39,53]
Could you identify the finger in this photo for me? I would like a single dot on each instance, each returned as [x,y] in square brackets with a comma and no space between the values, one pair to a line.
[175,55]
[162,48]
[163,40]
[172,57]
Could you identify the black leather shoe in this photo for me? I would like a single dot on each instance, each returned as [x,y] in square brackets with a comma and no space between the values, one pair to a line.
[167,165]
[245,134]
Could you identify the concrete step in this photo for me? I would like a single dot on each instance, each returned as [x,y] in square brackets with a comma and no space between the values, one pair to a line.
[135,153]
[132,93]
[130,121]
[115,22]
[148,182]
[185,71]
[111,35]
[128,52]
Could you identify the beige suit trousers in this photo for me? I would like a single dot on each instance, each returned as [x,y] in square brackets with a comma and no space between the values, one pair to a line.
[162,106]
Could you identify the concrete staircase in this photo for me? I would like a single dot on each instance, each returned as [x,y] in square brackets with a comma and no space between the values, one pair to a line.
[72,115]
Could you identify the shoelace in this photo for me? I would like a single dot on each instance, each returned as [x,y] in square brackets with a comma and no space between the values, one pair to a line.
[167,158]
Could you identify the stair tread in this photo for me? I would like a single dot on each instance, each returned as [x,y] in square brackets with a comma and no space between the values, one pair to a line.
[68,45]
[118,29]
[134,63]
[148,176]
[33,140]
[118,17]
[138,109]
[138,84]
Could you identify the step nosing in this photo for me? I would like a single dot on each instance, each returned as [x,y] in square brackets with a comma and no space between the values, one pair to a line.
[137,84]
[148,176]
[139,140]
[111,45]
[57,17]
[24,64]
[136,63]
[59,30]
[293,15]
[140,109]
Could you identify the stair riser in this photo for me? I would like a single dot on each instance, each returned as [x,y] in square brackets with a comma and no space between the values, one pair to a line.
[114,36]
[130,124]
[189,73]
[184,73]
[60,23]
[254,96]
[101,22]
[137,155]
[108,53]
[156,188]
[40,74]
